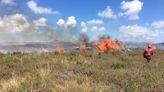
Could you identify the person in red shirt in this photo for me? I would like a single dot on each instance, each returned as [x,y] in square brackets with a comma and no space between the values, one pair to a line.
[148,53]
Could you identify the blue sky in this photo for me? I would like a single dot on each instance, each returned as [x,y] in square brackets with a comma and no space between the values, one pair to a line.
[127,20]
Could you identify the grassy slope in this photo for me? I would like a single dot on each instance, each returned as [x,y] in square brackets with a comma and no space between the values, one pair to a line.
[73,72]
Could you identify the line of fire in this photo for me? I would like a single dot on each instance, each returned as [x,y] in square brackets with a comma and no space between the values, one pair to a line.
[103,45]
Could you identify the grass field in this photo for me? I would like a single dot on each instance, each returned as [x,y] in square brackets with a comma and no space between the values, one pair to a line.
[74,72]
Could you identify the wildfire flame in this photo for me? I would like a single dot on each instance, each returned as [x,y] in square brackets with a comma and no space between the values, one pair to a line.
[43,50]
[107,45]
[58,49]
[82,44]
[33,50]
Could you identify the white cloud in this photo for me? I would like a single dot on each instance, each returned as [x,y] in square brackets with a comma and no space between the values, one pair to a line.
[133,30]
[107,13]
[158,24]
[19,23]
[40,22]
[61,22]
[157,33]
[38,9]
[95,22]
[132,9]
[8,2]
[97,29]
[84,27]
[102,29]
[16,28]
[14,23]
[141,33]
[69,23]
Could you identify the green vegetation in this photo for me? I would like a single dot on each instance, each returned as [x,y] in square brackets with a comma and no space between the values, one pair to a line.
[74,72]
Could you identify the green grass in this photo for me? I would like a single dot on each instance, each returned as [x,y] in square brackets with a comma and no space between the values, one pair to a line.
[74,72]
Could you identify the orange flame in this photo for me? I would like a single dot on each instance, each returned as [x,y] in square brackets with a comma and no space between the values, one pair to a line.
[101,48]
[58,49]
[82,44]
[33,50]
[107,45]
[43,50]
[82,48]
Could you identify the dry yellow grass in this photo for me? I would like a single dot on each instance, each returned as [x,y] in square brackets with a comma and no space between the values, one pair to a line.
[74,72]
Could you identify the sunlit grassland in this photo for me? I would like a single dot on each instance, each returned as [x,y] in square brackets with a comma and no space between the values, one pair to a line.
[74,72]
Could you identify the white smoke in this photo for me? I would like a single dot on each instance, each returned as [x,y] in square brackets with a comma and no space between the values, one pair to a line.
[17,28]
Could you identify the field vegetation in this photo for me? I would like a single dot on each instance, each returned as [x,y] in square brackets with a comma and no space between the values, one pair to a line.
[75,72]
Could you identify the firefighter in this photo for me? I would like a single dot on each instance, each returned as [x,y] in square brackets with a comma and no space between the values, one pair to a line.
[148,53]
